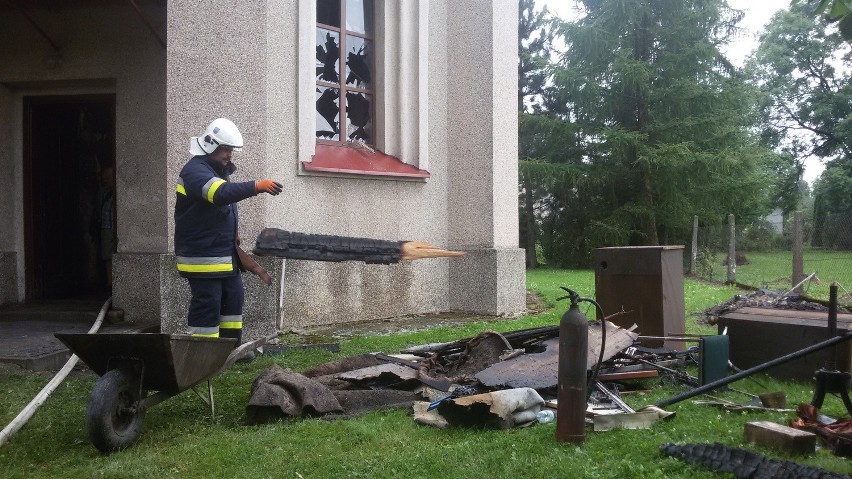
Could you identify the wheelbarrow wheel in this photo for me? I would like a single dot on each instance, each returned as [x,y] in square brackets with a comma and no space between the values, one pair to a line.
[114,417]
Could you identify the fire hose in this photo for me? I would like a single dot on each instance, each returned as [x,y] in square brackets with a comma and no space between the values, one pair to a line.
[28,412]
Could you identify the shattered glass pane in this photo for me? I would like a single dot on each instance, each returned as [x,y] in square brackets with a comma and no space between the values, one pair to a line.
[328,113]
[328,56]
[328,12]
[358,112]
[359,16]
[359,61]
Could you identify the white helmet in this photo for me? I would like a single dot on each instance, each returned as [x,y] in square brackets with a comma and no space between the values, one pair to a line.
[221,131]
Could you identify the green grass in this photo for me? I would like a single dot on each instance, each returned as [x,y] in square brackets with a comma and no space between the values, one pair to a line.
[773,271]
[180,439]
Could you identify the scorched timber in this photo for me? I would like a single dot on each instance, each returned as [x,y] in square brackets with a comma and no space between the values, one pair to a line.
[314,247]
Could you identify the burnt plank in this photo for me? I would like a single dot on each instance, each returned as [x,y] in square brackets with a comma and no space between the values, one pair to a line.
[759,335]
[780,437]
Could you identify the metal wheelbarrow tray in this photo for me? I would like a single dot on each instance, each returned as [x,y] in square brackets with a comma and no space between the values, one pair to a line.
[131,365]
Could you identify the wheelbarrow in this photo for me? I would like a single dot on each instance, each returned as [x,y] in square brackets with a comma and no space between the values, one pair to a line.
[139,371]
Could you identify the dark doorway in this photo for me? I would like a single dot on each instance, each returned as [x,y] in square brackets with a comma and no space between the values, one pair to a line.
[69,141]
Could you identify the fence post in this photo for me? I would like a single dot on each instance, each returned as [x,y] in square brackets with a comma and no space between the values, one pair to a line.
[798,256]
[732,250]
[694,245]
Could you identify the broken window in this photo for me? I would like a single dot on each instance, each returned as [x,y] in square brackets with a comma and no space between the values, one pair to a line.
[344,95]
[368,63]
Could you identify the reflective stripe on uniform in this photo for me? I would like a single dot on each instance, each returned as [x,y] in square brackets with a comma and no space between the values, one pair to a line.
[180,187]
[231,322]
[205,264]
[204,332]
[210,188]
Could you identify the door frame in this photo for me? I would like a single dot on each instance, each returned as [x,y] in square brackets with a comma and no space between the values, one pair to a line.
[32,290]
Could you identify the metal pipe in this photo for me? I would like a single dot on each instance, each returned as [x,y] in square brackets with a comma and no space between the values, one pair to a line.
[683,339]
[614,398]
[748,372]
[831,363]
[832,310]
[796,287]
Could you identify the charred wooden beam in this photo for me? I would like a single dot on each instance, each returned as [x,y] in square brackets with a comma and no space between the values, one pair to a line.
[316,247]
[742,462]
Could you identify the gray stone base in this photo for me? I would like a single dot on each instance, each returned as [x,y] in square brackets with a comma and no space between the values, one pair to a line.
[260,311]
[489,281]
[8,277]
[150,291]
[324,293]
[136,287]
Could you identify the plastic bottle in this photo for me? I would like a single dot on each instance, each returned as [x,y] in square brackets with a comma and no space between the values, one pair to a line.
[545,416]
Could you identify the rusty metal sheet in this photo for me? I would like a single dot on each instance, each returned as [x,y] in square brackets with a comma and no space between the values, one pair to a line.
[172,363]
[539,370]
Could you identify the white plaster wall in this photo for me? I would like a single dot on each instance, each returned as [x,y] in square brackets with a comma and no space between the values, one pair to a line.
[471,124]
[241,63]
[483,148]
[505,126]
[218,68]
[483,124]
[256,87]
[260,90]
[383,209]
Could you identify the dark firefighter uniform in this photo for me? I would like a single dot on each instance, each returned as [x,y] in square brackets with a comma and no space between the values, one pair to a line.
[206,223]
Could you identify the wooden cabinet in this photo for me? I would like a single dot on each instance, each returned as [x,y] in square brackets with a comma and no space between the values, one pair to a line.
[645,283]
[759,335]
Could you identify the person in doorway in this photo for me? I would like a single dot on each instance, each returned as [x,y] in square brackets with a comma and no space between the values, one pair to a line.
[106,220]
[206,230]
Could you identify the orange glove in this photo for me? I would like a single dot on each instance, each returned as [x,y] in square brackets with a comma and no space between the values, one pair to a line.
[268,186]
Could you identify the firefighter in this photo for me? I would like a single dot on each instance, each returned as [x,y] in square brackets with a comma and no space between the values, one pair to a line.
[206,230]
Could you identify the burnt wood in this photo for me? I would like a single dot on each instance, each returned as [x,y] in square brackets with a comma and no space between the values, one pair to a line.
[759,335]
[315,247]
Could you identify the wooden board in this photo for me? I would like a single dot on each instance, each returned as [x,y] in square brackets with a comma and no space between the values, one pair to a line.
[780,437]
[759,335]
[792,317]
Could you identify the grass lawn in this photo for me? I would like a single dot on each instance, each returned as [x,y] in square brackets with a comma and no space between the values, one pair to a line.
[180,439]
[773,271]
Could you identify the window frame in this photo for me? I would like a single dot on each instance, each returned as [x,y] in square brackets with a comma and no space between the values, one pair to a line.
[342,86]
[400,103]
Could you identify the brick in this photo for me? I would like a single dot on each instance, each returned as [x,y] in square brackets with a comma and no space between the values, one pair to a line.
[780,437]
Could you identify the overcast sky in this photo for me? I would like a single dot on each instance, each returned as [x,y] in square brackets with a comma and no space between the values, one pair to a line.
[757,14]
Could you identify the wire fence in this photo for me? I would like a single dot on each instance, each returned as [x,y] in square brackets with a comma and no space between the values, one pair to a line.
[767,254]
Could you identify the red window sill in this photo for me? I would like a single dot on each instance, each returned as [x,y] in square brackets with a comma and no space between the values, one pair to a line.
[343,159]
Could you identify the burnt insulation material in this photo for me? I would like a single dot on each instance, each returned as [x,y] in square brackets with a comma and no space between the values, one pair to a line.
[742,463]
[313,247]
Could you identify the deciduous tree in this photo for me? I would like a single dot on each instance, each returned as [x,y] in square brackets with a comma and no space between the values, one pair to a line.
[802,66]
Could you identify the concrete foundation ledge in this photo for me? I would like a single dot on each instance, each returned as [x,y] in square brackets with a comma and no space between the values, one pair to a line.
[489,281]
[260,311]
